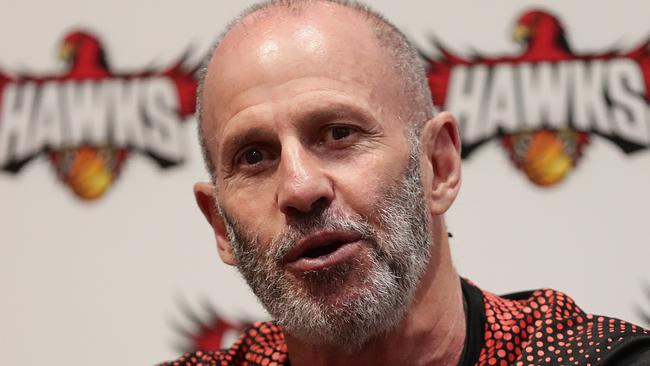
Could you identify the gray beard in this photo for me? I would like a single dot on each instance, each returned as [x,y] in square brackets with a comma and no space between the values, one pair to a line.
[345,305]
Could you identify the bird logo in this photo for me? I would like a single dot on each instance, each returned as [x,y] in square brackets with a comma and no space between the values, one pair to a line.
[89,119]
[547,102]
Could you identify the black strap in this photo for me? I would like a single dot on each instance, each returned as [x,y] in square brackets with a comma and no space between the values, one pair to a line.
[474,323]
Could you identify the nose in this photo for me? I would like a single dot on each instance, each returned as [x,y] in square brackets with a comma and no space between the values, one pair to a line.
[304,187]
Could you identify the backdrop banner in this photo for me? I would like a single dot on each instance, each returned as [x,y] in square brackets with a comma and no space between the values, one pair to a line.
[105,258]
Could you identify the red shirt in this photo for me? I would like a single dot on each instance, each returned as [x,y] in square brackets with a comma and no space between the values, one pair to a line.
[542,327]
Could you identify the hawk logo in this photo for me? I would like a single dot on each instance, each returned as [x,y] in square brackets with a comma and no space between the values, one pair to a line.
[545,103]
[89,119]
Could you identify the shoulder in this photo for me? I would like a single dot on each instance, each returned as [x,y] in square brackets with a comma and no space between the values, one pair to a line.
[547,327]
[261,344]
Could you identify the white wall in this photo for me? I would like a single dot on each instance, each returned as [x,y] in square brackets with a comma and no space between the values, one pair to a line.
[100,282]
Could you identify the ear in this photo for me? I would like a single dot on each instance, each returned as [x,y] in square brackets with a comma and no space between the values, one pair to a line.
[206,199]
[441,146]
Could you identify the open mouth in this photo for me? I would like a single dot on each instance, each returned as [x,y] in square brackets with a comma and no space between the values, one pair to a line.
[323,250]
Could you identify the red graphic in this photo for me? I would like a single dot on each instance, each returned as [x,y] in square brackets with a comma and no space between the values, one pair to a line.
[211,332]
[594,104]
[81,117]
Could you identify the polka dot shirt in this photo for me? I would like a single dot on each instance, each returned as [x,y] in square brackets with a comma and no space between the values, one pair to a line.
[542,327]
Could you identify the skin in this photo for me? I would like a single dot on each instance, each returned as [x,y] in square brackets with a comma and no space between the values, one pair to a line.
[287,85]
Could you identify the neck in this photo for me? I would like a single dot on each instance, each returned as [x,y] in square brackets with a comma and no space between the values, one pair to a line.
[431,334]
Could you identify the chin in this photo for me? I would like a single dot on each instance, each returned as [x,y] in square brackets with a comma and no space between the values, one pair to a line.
[337,284]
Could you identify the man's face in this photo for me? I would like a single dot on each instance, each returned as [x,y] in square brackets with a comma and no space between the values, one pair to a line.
[356,289]
[317,181]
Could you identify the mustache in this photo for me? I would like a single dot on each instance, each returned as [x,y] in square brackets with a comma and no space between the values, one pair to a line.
[327,218]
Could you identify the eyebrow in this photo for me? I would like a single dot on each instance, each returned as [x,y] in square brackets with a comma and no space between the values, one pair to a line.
[335,110]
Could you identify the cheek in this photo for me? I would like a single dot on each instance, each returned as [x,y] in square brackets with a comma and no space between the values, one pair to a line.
[363,184]
[254,208]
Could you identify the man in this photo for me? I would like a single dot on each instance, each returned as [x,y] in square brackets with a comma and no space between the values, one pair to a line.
[331,175]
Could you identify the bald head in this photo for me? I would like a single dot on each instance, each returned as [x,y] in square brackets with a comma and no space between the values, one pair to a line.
[329,35]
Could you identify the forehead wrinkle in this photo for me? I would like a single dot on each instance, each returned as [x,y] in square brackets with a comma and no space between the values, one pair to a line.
[330,104]
[321,112]
[333,90]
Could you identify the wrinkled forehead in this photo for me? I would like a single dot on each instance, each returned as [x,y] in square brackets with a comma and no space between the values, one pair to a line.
[273,46]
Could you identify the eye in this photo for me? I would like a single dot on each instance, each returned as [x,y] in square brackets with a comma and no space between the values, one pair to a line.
[254,157]
[339,135]
[340,132]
